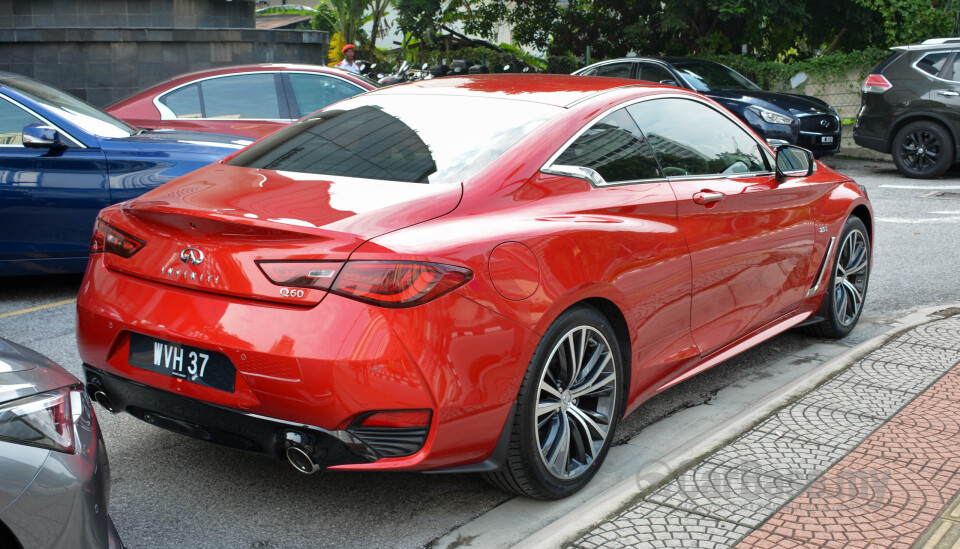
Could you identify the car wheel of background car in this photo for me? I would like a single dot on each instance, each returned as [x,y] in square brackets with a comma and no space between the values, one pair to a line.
[843,301]
[567,408]
[922,149]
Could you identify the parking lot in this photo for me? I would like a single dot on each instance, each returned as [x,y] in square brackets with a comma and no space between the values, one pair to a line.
[169,490]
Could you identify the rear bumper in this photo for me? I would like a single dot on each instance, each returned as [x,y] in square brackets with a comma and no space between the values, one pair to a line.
[224,426]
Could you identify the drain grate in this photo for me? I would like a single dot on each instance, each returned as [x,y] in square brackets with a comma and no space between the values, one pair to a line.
[944,195]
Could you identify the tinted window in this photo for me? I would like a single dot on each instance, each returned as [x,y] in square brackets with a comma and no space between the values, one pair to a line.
[693,139]
[705,76]
[615,148]
[399,138]
[12,121]
[616,70]
[184,102]
[655,73]
[932,63]
[316,91]
[69,108]
[241,96]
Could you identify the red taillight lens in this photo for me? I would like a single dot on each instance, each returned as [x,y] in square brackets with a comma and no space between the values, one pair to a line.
[114,241]
[45,420]
[397,419]
[876,83]
[398,283]
[301,274]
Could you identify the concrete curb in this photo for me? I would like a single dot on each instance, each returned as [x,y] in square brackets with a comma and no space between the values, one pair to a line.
[573,524]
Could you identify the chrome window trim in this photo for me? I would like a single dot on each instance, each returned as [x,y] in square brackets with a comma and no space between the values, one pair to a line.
[927,74]
[77,144]
[561,169]
[166,113]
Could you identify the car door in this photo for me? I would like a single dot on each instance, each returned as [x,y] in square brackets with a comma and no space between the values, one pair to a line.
[230,104]
[944,94]
[750,236]
[49,197]
[637,245]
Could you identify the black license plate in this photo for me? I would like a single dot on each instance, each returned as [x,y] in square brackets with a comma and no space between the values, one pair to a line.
[183,361]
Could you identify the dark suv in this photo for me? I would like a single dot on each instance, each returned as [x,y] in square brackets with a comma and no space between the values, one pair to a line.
[780,118]
[910,107]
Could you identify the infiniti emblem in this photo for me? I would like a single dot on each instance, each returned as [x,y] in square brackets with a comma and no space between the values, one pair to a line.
[825,123]
[192,256]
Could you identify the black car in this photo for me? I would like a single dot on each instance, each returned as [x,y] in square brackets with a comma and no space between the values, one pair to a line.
[910,107]
[780,118]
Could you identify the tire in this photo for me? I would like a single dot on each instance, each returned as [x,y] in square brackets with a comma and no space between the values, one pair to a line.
[845,295]
[922,150]
[555,453]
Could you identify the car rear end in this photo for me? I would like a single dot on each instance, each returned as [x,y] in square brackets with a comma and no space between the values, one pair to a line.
[880,104]
[54,472]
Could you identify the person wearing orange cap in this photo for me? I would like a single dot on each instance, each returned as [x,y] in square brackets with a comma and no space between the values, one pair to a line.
[347,63]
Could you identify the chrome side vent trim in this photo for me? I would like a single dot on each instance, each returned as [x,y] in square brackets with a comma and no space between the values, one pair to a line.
[823,267]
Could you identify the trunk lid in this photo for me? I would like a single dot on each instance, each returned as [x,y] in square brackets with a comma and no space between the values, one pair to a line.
[208,230]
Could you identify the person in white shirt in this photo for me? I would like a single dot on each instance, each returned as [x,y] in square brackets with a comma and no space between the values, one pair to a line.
[347,63]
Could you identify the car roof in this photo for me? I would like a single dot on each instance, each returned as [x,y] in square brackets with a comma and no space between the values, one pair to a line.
[666,59]
[931,44]
[561,90]
[258,67]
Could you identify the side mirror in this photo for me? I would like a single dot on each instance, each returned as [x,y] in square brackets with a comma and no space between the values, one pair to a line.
[673,83]
[794,161]
[40,136]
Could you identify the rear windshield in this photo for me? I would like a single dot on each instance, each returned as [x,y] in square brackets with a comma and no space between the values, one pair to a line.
[409,138]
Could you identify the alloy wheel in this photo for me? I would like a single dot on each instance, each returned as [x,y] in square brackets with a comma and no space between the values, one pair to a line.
[576,400]
[850,282]
[920,150]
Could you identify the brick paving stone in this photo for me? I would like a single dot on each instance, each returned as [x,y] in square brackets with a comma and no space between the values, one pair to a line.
[905,351]
[910,444]
[674,530]
[774,456]
[865,400]
[930,412]
[909,378]
[726,494]
[947,389]
[821,425]
[944,334]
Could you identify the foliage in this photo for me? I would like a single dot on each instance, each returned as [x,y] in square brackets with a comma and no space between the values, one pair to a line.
[325,19]
[562,64]
[835,66]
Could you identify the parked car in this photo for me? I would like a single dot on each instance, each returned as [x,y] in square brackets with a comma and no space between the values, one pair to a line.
[62,160]
[248,100]
[780,118]
[910,108]
[54,472]
[376,288]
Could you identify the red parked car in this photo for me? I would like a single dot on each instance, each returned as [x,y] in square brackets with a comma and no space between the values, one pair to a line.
[247,100]
[376,287]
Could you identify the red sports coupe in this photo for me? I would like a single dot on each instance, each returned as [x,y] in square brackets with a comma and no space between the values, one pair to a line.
[465,274]
[247,100]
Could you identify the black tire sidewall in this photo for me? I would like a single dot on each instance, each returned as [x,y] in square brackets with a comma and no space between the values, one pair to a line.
[554,487]
[828,310]
[946,154]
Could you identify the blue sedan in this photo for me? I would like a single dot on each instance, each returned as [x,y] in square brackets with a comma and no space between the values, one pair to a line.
[62,161]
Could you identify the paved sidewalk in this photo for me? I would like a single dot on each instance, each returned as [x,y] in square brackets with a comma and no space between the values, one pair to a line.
[870,458]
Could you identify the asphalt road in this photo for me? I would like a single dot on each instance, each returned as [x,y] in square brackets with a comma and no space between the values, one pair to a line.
[171,491]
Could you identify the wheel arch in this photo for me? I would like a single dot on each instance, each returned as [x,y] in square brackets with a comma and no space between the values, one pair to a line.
[618,322]
[907,118]
[863,213]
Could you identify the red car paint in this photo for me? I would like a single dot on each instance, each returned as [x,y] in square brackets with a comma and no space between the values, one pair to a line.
[690,284]
[141,109]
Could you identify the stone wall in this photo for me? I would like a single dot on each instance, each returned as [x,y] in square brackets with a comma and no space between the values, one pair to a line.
[104,50]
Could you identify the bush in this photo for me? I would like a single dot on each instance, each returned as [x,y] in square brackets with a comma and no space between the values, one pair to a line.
[562,64]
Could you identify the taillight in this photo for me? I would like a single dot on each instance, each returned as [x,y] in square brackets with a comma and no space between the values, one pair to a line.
[398,283]
[876,83]
[301,274]
[45,420]
[113,241]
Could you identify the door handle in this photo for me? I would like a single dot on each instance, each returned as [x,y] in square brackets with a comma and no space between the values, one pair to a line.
[708,197]
[948,93]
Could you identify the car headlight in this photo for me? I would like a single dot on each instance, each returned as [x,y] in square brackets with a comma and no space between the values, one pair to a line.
[44,420]
[770,116]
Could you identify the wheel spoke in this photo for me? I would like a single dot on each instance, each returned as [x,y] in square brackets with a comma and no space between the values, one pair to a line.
[596,386]
[589,421]
[549,389]
[597,370]
[583,430]
[855,298]
[558,456]
[547,407]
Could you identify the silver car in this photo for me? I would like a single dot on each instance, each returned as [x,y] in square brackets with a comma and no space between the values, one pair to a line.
[54,476]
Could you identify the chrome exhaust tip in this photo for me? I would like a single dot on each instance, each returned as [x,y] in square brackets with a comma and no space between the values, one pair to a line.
[301,460]
[103,400]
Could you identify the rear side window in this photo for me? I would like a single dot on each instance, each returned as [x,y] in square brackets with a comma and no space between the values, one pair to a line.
[614,148]
[316,91]
[933,63]
[616,70]
[691,139]
[241,96]
[184,102]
